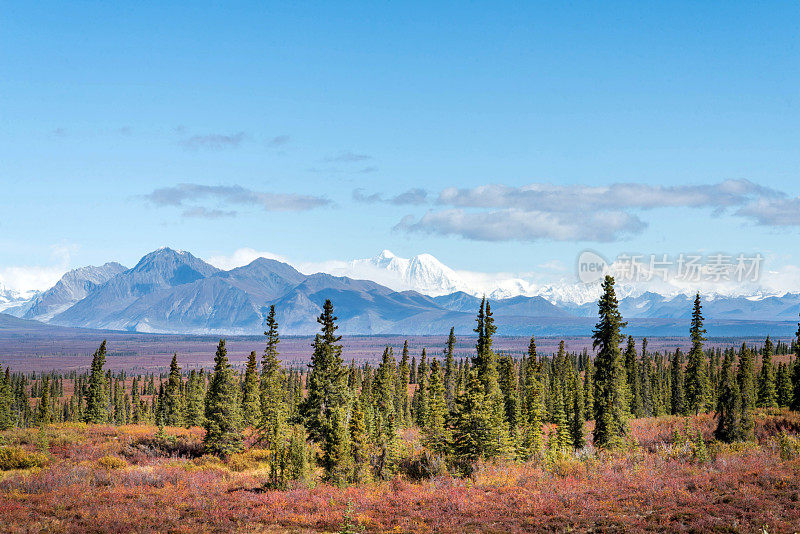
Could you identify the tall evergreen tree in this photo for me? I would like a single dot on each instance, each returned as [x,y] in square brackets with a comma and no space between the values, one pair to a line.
[729,404]
[508,385]
[449,369]
[696,378]
[783,387]
[223,420]
[610,414]
[6,401]
[578,417]
[533,407]
[251,392]
[402,405]
[745,376]
[632,378]
[174,406]
[272,391]
[795,404]
[358,445]
[677,396]
[96,395]
[44,414]
[767,393]
[435,432]
[326,382]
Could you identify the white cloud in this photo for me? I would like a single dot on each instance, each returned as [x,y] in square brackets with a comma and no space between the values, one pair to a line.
[542,211]
[27,278]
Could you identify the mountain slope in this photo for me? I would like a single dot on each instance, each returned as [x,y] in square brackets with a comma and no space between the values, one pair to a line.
[156,272]
[72,287]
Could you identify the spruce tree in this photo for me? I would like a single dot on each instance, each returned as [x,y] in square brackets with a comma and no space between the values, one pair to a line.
[435,433]
[251,392]
[729,403]
[297,461]
[44,414]
[696,381]
[767,394]
[632,378]
[6,401]
[359,445]
[327,380]
[745,377]
[610,413]
[795,404]
[384,394]
[96,395]
[533,403]
[783,389]
[194,400]
[449,369]
[588,389]
[174,405]
[402,406]
[508,385]
[272,403]
[223,420]
[577,417]
[336,460]
[420,401]
[677,395]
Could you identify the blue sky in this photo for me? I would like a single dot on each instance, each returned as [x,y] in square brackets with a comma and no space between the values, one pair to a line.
[292,128]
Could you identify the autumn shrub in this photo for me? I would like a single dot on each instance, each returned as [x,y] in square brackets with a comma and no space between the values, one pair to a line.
[18,458]
[789,446]
[421,465]
[164,445]
[112,462]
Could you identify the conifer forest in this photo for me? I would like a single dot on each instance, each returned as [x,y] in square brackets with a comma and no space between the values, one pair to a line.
[620,438]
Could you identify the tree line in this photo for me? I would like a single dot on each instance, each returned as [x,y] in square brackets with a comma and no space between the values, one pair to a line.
[490,406]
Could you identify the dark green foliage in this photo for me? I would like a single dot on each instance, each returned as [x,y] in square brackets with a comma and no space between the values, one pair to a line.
[327,378]
[450,369]
[336,459]
[767,390]
[251,394]
[745,377]
[96,395]
[677,396]
[223,421]
[795,404]
[7,419]
[577,417]
[173,402]
[435,433]
[43,413]
[610,411]
[508,385]
[783,386]
[729,404]
[632,379]
[696,381]
[358,445]
[533,407]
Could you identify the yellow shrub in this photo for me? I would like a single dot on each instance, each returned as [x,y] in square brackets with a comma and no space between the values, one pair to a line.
[112,462]
[19,458]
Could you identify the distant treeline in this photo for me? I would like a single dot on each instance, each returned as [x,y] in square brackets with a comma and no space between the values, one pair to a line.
[485,407]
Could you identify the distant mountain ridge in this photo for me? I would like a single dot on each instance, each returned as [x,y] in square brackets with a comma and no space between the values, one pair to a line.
[171,291]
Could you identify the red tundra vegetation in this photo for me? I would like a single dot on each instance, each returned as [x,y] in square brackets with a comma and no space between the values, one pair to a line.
[81,478]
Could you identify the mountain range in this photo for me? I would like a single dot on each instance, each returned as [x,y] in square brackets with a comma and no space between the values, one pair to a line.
[171,291]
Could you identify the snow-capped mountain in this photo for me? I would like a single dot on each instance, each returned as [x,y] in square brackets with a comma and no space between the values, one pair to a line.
[422,273]
[72,287]
[15,302]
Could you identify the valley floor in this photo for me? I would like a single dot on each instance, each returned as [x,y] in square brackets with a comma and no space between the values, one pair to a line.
[78,478]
